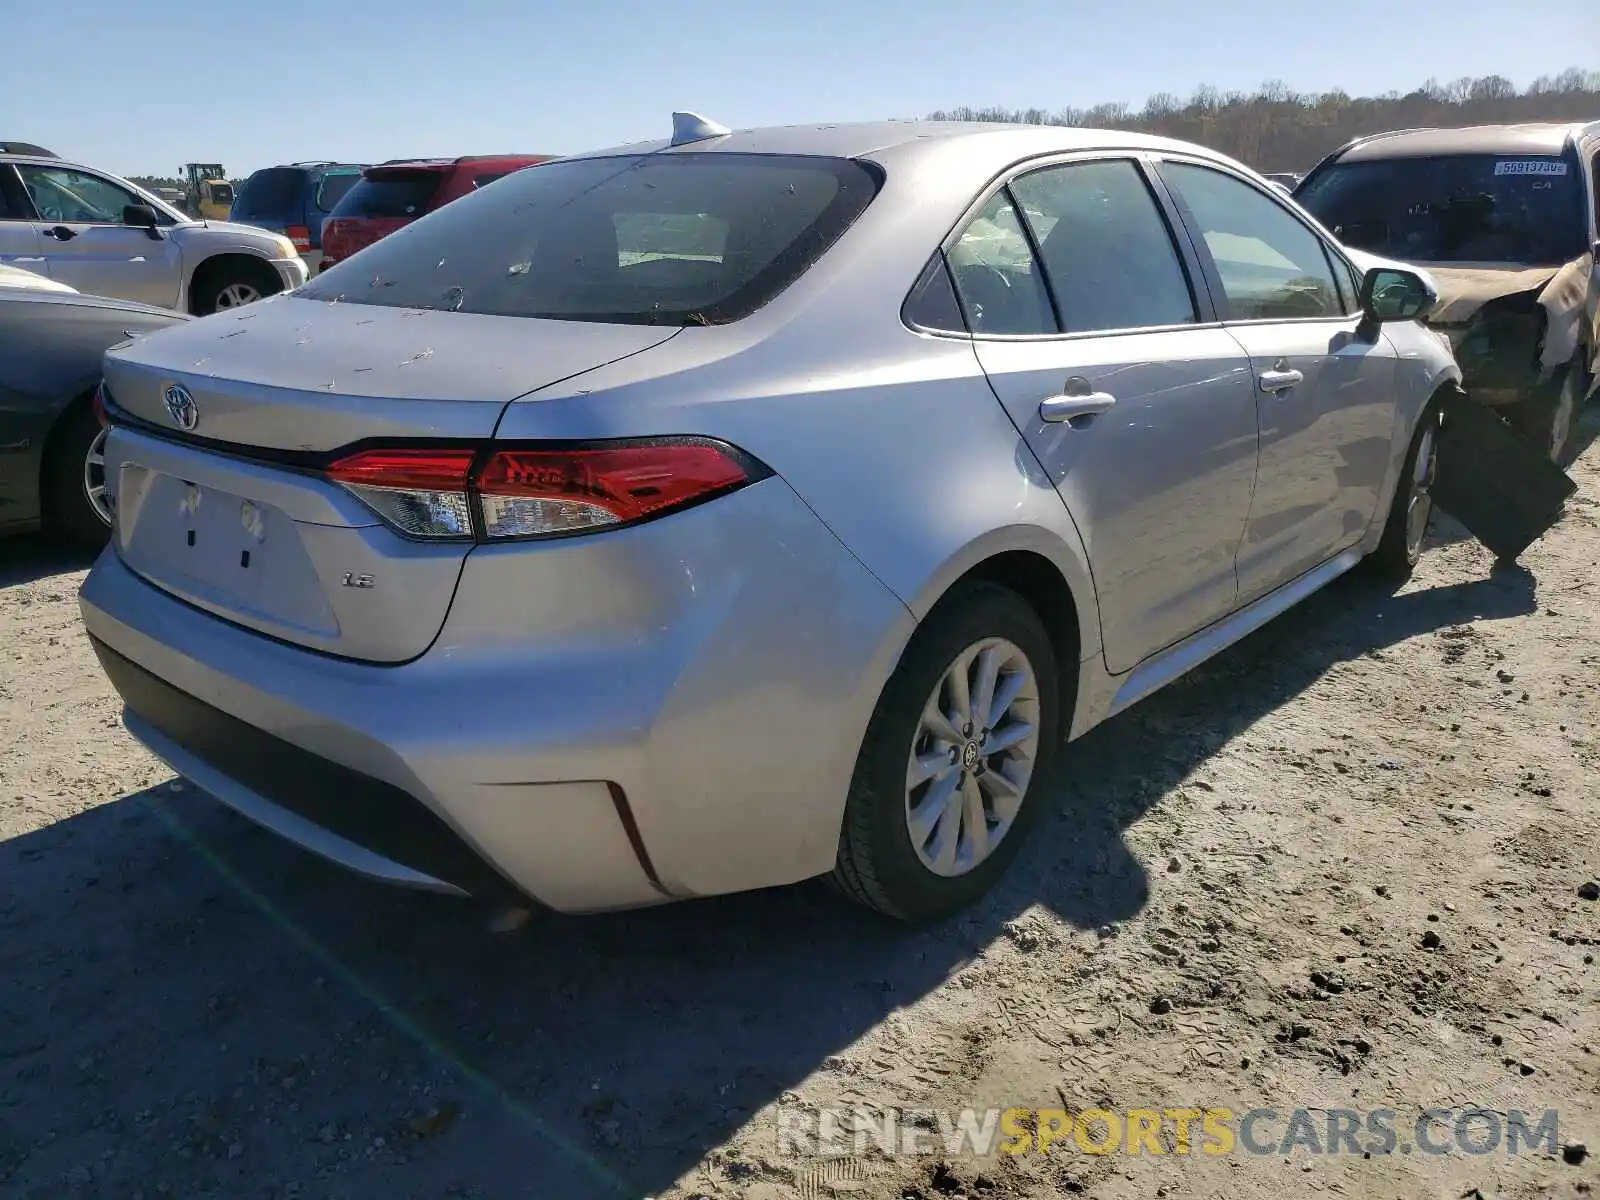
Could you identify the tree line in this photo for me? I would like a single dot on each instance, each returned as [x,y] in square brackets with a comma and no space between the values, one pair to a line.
[151,182]
[1278,129]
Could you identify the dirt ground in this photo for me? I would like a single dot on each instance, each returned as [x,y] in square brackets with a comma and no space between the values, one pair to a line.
[1342,866]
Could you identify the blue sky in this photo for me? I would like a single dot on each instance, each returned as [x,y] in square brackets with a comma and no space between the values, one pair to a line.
[139,90]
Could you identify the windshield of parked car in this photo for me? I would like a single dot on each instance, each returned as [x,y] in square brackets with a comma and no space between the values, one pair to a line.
[679,238]
[1458,208]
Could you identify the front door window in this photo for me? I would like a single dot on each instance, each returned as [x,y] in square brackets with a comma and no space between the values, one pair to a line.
[66,196]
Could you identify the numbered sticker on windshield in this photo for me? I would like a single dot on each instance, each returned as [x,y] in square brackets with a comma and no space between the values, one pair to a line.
[1530,166]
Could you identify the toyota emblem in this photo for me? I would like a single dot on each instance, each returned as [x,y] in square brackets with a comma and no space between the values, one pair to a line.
[185,413]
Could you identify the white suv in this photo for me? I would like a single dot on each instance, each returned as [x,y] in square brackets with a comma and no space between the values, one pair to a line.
[104,236]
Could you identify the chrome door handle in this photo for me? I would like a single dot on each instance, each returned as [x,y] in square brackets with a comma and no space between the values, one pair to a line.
[1072,405]
[1279,381]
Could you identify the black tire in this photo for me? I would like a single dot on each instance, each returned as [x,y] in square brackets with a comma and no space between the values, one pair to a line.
[1397,554]
[67,509]
[1550,415]
[213,283]
[877,863]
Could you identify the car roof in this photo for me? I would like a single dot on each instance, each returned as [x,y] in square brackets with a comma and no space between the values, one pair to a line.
[111,304]
[992,144]
[44,160]
[308,168]
[18,277]
[1543,137]
[442,164]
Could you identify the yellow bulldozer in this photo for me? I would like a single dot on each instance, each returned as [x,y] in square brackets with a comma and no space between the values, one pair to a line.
[207,192]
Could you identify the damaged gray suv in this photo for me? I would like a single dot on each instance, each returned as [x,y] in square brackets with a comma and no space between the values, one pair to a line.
[1504,219]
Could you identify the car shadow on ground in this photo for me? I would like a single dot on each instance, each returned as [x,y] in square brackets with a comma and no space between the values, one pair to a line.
[30,558]
[186,1000]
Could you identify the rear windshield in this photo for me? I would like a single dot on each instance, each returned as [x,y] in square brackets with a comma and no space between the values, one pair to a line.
[690,238]
[269,192]
[391,194]
[333,187]
[1457,208]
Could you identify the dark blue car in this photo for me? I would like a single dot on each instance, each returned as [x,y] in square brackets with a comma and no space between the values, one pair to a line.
[294,200]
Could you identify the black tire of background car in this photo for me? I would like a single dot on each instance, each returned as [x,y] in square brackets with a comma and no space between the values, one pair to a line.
[67,510]
[877,865]
[211,280]
[1549,416]
[1394,560]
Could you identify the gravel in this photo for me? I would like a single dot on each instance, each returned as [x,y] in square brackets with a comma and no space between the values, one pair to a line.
[1227,904]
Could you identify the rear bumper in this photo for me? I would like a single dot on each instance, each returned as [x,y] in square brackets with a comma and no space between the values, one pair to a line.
[690,731]
[359,822]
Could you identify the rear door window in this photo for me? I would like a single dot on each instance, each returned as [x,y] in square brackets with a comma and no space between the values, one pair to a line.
[1106,248]
[391,194]
[333,185]
[687,238]
[998,281]
[270,192]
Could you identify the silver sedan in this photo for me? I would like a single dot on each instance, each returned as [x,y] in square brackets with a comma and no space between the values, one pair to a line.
[720,512]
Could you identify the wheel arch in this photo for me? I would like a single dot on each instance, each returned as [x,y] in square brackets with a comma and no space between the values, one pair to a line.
[1049,579]
[222,260]
[1444,382]
[81,398]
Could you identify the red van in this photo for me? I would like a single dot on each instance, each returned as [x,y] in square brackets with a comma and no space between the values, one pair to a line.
[397,192]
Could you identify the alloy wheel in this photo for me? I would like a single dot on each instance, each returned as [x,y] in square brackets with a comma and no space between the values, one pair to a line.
[972,757]
[1420,506]
[237,295]
[94,478]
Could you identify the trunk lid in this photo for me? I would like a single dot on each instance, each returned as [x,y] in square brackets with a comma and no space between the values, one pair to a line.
[287,373]
[223,523]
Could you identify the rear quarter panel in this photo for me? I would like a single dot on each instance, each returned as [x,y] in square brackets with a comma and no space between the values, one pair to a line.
[906,456]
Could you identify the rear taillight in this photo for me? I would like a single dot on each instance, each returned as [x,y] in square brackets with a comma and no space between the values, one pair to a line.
[511,492]
[538,492]
[422,493]
[300,235]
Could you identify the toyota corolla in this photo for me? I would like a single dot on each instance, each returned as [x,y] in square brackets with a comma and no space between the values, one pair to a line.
[721,512]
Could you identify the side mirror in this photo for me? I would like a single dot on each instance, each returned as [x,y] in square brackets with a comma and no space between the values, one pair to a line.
[1390,294]
[140,216]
